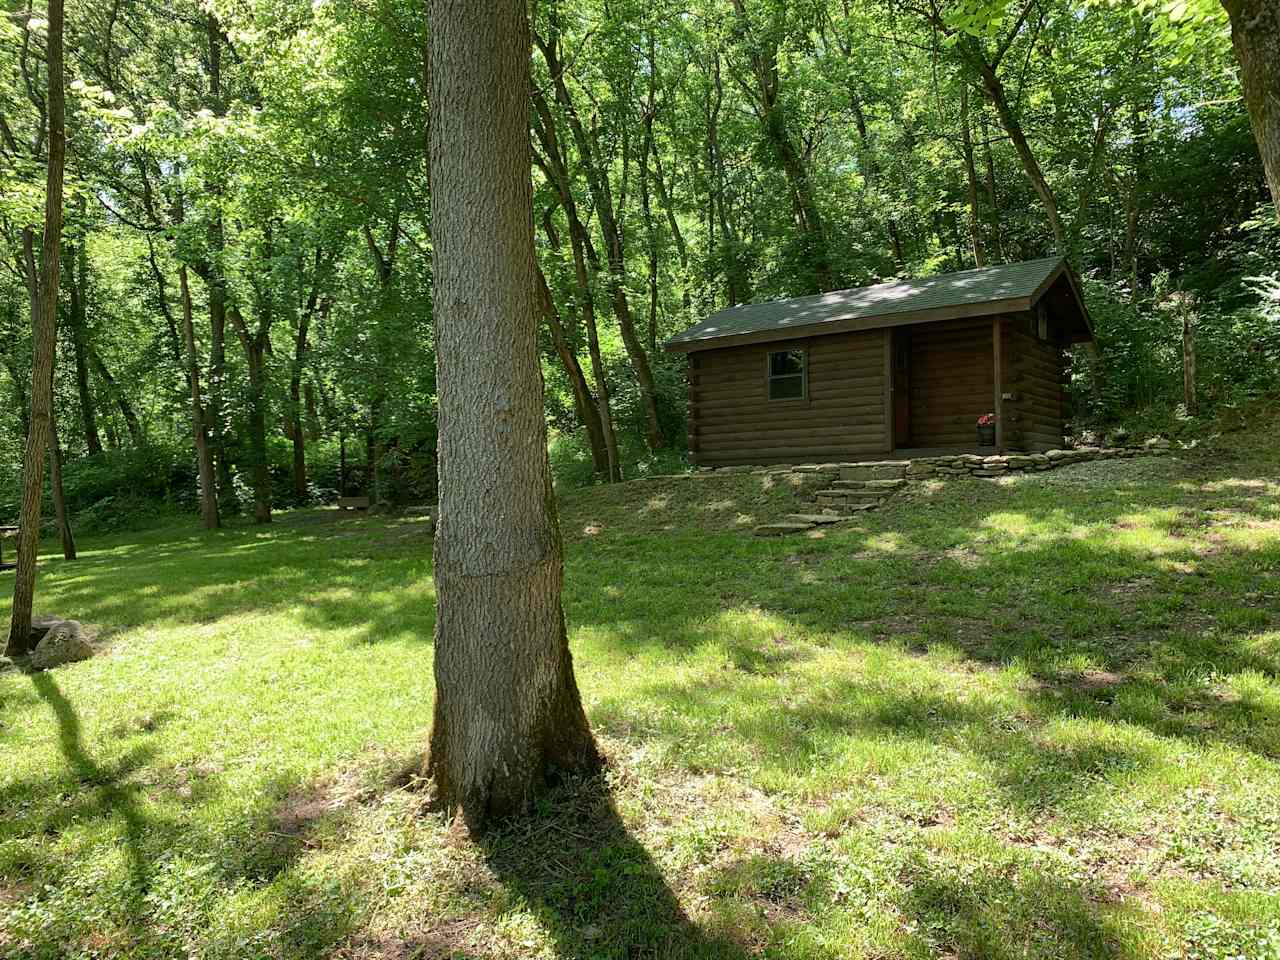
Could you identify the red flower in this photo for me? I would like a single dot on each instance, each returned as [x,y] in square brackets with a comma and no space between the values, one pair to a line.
[987,420]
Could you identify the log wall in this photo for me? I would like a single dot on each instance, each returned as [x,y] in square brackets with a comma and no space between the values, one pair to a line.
[1036,378]
[847,412]
[952,381]
[843,417]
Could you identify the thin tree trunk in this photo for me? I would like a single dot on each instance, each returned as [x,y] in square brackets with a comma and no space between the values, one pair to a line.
[199,418]
[989,169]
[994,89]
[971,178]
[651,235]
[300,348]
[76,292]
[1255,36]
[556,169]
[44,307]
[664,201]
[1189,360]
[1134,197]
[215,280]
[611,228]
[507,710]
[117,394]
[584,402]
[763,55]
[59,495]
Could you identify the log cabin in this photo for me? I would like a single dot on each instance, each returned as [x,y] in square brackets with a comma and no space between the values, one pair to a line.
[898,369]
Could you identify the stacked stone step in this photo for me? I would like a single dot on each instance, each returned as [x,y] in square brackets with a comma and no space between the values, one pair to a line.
[863,486]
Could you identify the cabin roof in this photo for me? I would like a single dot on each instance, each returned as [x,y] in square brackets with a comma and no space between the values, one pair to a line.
[968,293]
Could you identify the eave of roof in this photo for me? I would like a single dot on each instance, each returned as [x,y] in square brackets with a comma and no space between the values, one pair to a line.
[1024,285]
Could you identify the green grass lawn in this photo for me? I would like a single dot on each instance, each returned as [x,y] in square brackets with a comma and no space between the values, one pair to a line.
[1032,718]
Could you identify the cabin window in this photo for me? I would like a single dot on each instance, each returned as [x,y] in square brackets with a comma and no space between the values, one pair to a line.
[786,375]
[1042,327]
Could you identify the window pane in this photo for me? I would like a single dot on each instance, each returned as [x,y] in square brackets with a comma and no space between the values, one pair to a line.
[786,362]
[786,388]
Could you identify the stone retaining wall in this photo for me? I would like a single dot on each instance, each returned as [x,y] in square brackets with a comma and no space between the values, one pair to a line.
[959,465]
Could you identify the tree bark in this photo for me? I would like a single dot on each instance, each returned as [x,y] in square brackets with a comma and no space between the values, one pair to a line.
[556,169]
[603,452]
[508,717]
[611,228]
[199,417]
[76,274]
[1255,37]
[971,182]
[254,344]
[766,102]
[44,307]
[1189,359]
[59,495]
[117,394]
[995,92]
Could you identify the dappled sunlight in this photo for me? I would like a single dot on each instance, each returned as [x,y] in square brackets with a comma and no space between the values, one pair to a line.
[1040,674]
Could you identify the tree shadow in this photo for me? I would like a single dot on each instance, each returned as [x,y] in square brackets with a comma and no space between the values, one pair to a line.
[103,791]
[592,885]
[1013,911]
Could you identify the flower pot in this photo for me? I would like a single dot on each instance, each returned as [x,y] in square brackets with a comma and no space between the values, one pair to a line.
[987,436]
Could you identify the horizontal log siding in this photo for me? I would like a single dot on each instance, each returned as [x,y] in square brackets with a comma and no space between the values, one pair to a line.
[1034,417]
[733,421]
[952,381]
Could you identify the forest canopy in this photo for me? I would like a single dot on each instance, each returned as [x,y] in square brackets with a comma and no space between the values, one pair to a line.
[247,230]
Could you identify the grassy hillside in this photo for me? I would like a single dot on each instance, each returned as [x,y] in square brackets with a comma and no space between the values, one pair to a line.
[1032,718]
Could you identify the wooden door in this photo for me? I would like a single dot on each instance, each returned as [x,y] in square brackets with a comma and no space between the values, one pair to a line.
[902,387]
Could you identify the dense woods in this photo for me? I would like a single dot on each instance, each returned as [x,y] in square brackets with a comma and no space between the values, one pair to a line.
[244,317]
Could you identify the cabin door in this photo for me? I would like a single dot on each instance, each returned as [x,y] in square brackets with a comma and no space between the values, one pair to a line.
[902,387]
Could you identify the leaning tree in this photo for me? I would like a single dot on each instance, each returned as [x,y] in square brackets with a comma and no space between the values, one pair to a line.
[43,280]
[507,711]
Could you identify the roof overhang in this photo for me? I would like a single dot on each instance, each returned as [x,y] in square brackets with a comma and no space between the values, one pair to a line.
[1060,291]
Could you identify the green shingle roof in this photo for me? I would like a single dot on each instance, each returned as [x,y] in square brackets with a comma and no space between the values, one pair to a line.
[806,315]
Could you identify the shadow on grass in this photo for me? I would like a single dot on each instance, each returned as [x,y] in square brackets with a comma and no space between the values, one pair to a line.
[99,791]
[592,886]
[1009,914]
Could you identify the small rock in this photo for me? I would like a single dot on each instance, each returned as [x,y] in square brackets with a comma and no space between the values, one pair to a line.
[1157,443]
[781,529]
[63,642]
[820,519]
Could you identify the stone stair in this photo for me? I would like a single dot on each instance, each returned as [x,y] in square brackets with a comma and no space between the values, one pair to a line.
[865,485]
[862,486]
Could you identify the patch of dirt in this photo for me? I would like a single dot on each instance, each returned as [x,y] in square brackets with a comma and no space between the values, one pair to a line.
[452,940]
[1090,682]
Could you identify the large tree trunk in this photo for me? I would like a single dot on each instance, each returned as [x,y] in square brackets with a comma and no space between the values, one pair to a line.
[199,418]
[507,711]
[44,307]
[1255,35]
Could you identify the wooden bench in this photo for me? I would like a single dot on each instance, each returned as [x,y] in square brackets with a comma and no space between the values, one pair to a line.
[4,533]
[353,503]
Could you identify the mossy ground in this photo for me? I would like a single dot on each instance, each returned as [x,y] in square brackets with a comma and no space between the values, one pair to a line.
[1032,718]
